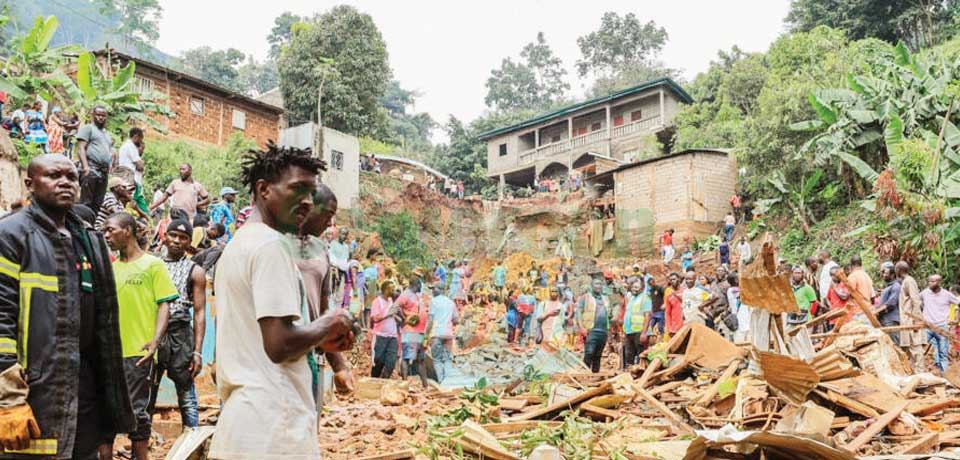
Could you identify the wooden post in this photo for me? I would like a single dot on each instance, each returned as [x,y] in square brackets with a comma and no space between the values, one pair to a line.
[707,397]
[663,409]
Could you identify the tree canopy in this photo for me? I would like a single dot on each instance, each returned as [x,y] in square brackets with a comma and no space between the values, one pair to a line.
[536,82]
[343,49]
[919,23]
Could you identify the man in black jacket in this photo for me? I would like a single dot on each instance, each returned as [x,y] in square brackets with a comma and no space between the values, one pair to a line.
[61,374]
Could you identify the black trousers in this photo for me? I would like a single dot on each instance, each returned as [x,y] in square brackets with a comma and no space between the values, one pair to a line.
[93,187]
[384,357]
[632,349]
[593,349]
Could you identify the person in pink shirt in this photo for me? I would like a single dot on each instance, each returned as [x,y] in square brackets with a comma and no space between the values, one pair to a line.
[384,314]
[414,329]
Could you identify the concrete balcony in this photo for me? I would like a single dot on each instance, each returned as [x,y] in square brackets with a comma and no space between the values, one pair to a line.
[594,139]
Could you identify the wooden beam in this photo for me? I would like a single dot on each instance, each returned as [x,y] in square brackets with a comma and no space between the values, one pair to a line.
[933,328]
[831,314]
[711,392]
[665,388]
[562,405]
[929,409]
[910,327]
[840,323]
[398,455]
[926,444]
[596,410]
[875,428]
[648,372]
[677,421]
[848,403]
[675,369]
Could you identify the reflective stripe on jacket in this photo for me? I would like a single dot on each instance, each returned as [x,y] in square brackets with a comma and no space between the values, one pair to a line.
[40,326]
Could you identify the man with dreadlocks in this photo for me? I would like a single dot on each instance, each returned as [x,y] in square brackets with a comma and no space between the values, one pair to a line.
[265,339]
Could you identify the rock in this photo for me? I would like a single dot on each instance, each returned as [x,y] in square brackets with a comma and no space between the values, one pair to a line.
[393,394]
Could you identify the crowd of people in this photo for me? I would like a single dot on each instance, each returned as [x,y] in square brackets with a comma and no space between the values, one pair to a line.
[102,293]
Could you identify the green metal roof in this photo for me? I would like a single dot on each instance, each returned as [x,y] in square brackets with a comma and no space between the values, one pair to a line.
[598,100]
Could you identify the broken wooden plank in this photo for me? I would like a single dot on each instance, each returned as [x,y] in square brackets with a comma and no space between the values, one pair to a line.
[933,328]
[675,369]
[398,455]
[847,403]
[927,443]
[910,327]
[933,408]
[559,406]
[648,372]
[666,387]
[875,428]
[711,392]
[512,404]
[824,317]
[681,425]
[596,410]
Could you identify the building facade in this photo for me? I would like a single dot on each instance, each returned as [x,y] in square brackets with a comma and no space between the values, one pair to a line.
[341,152]
[205,112]
[616,129]
[687,191]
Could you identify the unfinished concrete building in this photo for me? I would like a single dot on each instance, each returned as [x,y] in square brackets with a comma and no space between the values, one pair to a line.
[688,191]
[589,137]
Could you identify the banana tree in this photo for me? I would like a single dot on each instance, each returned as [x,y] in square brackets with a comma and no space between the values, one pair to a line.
[799,196]
[33,66]
[126,104]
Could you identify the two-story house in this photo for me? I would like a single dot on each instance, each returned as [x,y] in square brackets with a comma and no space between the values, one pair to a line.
[605,132]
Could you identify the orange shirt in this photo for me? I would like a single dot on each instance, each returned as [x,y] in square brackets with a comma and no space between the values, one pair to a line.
[860,281]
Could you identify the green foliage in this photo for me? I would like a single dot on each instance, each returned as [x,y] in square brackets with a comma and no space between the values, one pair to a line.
[410,131]
[622,53]
[138,20]
[113,89]
[213,166]
[400,238]
[343,49]
[535,83]
[33,61]
[477,403]
[620,42]
[282,33]
[25,151]
[216,66]
[921,23]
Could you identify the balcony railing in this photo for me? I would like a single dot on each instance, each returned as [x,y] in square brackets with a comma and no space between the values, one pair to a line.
[549,150]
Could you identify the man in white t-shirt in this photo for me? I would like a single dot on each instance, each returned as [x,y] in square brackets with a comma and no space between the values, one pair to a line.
[130,154]
[266,368]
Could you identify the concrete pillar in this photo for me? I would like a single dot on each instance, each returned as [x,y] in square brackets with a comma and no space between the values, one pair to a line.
[502,185]
[570,128]
[609,132]
[536,138]
[663,120]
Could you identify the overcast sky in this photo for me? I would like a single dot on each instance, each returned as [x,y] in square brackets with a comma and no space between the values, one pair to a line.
[445,49]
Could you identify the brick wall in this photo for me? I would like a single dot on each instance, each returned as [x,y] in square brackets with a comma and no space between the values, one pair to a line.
[215,124]
[688,192]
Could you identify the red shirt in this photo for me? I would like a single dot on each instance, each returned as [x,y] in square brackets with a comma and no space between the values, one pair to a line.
[836,303]
[673,312]
[410,305]
[735,201]
[667,239]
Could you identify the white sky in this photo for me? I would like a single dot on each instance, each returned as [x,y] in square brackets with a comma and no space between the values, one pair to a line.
[446,48]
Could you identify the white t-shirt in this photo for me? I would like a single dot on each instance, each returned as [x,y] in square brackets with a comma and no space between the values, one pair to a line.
[129,153]
[269,411]
[825,280]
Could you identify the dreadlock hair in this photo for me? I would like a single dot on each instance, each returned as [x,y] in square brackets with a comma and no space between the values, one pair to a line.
[269,164]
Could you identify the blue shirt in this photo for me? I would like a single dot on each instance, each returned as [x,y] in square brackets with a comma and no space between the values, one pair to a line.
[221,213]
[687,258]
[441,274]
[499,276]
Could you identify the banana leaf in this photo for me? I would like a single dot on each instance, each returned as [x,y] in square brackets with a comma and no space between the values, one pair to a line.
[859,166]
